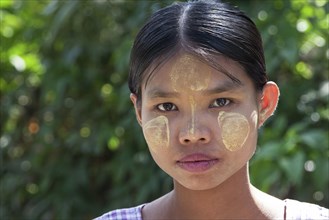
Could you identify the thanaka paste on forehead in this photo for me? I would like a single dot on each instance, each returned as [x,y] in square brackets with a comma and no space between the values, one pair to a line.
[234,129]
[189,73]
[156,132]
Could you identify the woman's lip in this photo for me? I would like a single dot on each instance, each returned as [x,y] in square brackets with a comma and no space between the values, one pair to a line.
[196,157]
[197,162]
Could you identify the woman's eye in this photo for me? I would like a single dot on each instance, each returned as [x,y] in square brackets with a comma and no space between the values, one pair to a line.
[220,102]
[165,107]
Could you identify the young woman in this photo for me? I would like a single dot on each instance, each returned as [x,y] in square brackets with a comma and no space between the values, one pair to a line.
[199,87]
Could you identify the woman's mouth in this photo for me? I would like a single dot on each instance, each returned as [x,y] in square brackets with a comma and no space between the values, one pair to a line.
[197,162]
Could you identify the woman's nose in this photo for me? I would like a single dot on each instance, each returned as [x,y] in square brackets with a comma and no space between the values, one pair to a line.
[194,133]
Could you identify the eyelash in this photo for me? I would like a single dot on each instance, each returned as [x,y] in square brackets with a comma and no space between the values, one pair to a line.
[226,102]
[158,107]
[168,106]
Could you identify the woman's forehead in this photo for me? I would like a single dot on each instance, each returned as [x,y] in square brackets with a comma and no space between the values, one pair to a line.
[186,66]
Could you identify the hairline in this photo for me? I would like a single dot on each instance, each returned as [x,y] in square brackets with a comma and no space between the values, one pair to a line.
[162,60]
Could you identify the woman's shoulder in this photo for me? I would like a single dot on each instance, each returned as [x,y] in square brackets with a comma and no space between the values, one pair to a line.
[133,213]
[302,210]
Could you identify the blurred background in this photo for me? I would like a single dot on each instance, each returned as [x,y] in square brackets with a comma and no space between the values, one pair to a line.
[70,145]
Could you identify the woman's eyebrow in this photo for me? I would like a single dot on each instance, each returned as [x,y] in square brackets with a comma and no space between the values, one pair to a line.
[157,93]
[224,87]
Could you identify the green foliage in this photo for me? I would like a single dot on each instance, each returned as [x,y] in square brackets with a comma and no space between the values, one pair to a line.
[70,145]
[292,157]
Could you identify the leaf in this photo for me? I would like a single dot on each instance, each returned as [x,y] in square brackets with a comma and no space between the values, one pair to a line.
[315,138]
[269,151]
[294,167]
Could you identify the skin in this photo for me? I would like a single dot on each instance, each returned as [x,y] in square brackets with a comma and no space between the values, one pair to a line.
[198,124]
[234,129]
[156,132]
[185,75]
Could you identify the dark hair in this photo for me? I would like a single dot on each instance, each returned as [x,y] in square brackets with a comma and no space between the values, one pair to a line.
[201,28]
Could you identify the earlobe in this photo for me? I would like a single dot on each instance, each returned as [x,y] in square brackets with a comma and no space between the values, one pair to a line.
[268,102]
[134,99]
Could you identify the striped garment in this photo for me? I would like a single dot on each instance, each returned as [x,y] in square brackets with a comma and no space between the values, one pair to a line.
[294,210]
[134,213]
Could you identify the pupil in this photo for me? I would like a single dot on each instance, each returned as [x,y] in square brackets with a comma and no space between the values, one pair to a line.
[167,106]
[221,102]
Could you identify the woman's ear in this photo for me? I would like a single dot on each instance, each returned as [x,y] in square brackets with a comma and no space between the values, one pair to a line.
[268,102]
[137,107]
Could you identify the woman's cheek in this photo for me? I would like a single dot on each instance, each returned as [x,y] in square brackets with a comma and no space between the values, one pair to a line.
[234,130]
[156,132]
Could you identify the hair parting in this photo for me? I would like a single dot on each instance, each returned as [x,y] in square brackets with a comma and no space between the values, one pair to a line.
[205,29]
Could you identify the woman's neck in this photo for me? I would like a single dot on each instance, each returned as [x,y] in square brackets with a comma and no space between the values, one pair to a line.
[235,198]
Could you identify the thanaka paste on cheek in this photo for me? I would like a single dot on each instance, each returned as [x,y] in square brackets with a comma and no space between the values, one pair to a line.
[156,132]
[234,129]
[254,118]
[190,74]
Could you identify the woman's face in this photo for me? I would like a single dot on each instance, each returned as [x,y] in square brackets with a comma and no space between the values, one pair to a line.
[200,126]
